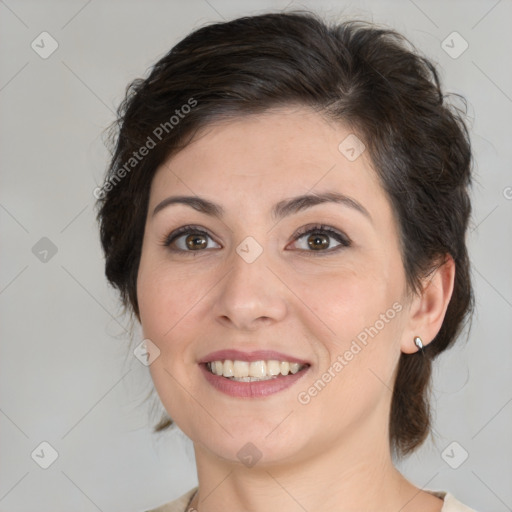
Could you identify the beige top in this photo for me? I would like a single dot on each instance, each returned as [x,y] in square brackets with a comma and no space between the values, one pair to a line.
[182,503]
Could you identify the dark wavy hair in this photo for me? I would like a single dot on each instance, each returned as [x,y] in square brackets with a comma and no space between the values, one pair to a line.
[368,77]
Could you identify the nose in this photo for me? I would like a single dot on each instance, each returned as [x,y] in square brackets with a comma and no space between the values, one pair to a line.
[250,295]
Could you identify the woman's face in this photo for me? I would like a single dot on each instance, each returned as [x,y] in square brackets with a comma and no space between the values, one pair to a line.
[318,283]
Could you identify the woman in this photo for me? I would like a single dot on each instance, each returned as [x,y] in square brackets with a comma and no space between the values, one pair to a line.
[285,215]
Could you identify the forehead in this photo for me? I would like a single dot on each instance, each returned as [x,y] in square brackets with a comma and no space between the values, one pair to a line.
[265,157]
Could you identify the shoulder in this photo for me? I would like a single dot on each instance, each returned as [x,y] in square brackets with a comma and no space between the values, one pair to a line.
[451,504]
[178,505]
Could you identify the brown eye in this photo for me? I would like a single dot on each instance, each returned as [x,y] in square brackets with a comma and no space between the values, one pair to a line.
[195,242]
[318,241]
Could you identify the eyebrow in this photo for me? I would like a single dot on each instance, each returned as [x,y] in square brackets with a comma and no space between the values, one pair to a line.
[280,210]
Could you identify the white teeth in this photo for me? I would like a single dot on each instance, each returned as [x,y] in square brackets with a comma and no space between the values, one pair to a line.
[255,370]
[218,367]
[273,367]
[227,368]
[241,368]
[294,367]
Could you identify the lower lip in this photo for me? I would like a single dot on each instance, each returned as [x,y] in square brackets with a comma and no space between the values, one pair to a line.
[252,389]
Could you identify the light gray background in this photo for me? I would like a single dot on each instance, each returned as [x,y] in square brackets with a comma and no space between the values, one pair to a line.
[65,375]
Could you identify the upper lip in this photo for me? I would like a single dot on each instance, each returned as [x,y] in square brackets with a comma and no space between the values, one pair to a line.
[257,355]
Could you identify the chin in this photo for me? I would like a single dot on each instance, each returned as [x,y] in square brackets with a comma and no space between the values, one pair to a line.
[251,445]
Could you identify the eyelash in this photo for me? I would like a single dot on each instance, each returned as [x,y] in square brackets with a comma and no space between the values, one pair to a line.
[306,230]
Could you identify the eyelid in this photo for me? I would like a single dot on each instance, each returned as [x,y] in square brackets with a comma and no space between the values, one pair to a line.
[319,227]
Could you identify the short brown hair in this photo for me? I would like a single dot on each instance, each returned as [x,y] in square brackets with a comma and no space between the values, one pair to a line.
[370,78]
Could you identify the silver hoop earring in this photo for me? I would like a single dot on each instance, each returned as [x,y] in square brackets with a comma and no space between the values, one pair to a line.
[418,343]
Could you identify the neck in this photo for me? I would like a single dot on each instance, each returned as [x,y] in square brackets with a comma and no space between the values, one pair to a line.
[357,474]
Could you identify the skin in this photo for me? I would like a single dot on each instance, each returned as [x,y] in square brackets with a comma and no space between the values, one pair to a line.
[332,453]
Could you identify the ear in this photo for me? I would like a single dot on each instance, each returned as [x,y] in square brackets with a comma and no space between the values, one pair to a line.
[428,308]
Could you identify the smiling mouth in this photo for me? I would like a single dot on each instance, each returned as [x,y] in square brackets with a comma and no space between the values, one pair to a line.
[254,371]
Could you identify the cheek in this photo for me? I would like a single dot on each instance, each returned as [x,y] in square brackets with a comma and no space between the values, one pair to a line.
[358,327]
[346,299]
[166,307]
[164,297]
